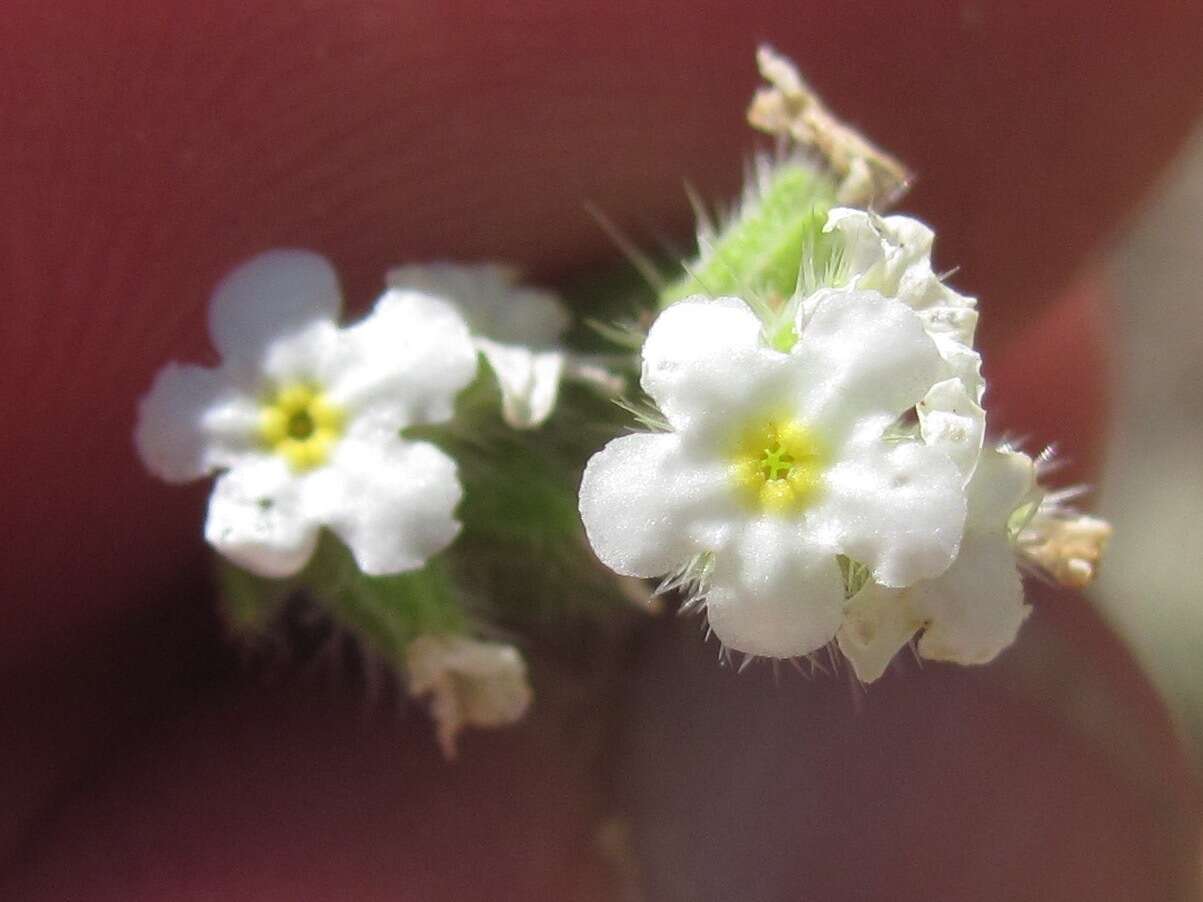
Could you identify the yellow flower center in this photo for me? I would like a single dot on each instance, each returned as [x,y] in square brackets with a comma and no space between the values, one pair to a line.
[300,425]
[777,466]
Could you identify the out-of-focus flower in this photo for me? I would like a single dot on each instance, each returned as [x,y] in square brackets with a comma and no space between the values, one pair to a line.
[302,419]
[470,683]
[517,329]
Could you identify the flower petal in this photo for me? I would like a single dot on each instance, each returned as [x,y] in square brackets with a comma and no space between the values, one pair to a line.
[273,294]
[704,362]
[860,355]
[648,507]
[490,300]
[897,508]
[1003,481]
[878,623]
[313,353]
[892,255]
[192,422]
[413,355]
[391,501]
[880,251]
[773,594]
[951,421]
[529,381]
[258,520]
[470,683]
[975,609]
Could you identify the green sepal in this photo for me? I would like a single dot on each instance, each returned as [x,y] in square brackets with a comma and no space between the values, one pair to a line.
[249,603]
[854,573]
[385,612]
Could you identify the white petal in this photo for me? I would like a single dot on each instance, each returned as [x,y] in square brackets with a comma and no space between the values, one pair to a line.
[1003,481]
[277,293]
[878,623]
[892,255]
[413,354]
[192,422]
[879,251]
[494,306]
[258,520]
[773,594]
[312,354]
[948,318]
[704,363]
[860,355]
[952,422]
[529,381]
[974,610]
[469,682]
[648,507]
[897,508]
[963,362]
[391,501]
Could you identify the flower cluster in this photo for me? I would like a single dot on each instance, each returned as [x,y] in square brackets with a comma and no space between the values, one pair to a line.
[814,470]
[820,473]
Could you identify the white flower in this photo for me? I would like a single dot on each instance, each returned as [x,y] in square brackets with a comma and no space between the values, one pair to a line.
[303,418]
[517,329]
[892,255]
[470,683]
[973,611]
[776,463]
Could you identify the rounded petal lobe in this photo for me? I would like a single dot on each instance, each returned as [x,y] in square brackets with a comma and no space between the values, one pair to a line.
[276,293]
[878,623]
[191,423]
[880,251]
[860,355]
[974,610]
[772,594]
[529,381]
[704,362]
[490,300]
[412,353]
[648,509]
[311,354]
[257,518]
[897,508]
[391,501]
[951,421]
[1004,479]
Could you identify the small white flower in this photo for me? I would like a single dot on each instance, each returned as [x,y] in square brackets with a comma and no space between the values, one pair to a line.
[892,256]
[974,610]
[303,420]
[470,683]
[777,462]
[517,329]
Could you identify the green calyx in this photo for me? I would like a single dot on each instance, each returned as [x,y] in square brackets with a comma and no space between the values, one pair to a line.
[386,613]
[774,240]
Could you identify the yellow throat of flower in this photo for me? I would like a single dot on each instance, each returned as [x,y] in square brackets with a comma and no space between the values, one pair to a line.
[300,425]
[777,466]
